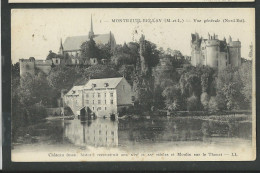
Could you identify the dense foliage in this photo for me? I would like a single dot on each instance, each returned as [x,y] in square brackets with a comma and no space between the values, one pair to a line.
[173,85]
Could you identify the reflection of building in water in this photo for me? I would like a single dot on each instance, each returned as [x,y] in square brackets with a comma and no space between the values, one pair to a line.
[98,133]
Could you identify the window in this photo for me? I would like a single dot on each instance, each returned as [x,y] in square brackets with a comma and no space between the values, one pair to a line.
[112,132]
[105,94]
[93,110]
[99,101]
[93,94]
[111,94]
[111,102]
[98,94]
[87,101]
[93,101]
[57,61]
[105,108]
[87,95]
[105,102]
[99,131]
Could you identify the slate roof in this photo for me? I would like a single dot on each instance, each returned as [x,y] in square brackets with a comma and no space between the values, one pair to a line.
[74,90]
[100,83]
[74,43]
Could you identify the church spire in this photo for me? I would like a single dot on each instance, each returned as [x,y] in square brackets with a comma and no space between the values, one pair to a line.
[61,47]
[91,32]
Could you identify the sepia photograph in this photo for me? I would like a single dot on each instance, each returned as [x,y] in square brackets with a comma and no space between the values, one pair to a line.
[133,84]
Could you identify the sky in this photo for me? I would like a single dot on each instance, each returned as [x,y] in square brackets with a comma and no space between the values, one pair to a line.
[36,31]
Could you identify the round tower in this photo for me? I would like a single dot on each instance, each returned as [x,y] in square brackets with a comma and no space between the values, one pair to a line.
[234,50]
[27,66]
[212,53]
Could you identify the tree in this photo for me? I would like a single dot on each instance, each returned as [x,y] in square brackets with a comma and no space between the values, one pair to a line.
[128,72]
[101,71]
[173,97]
[151,54]
[51,55]
[63,77]
[193,103]
[213,104]
[105,51]
[245,72]
[89,50]
[190,84]
[204,99]
[126,54]
[34,89]
[229,85]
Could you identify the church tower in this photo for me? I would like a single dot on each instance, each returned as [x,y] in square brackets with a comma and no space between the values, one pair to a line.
[91,32]
[61,48]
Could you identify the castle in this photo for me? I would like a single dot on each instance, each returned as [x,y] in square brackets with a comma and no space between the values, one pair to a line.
[31,65]
[71,48]
[214,52]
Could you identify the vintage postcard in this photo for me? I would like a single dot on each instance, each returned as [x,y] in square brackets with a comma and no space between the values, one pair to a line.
[133,85]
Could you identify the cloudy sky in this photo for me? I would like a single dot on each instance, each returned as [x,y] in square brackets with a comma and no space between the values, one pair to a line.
[36,31]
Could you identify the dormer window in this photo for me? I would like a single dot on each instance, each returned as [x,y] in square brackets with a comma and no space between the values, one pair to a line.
[105,84]
[73,91]
[94,85]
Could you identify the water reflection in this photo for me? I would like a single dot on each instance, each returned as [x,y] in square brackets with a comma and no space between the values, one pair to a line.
[98,133]
[106,133]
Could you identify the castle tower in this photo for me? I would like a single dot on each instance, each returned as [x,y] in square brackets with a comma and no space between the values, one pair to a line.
[144,67]
[27,66]
[61,48]
[195,49]
[212,52]
[234,50]
[91,32]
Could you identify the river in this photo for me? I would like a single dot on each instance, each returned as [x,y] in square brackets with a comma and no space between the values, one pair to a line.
[139,135]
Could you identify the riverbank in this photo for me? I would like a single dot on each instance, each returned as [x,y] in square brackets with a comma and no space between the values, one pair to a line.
[224,116]
[60,117]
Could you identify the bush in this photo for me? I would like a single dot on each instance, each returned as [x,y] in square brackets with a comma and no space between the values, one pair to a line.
[213,105]
[204,98]
[36,113]
[193,103]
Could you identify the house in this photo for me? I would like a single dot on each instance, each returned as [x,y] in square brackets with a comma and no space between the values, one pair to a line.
[103,97]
